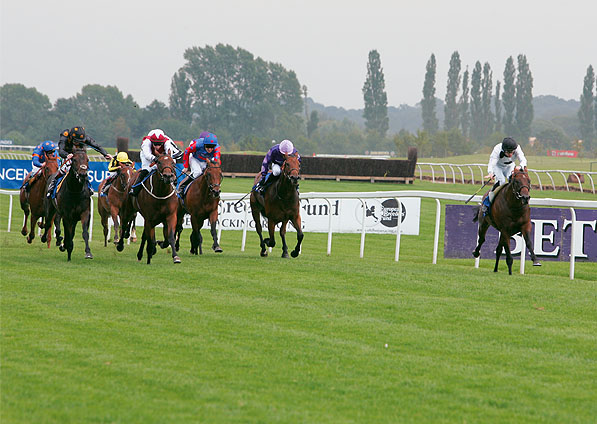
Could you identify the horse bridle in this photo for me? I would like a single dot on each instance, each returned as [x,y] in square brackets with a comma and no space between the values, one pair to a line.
[161,171]
[78,176]
[517,192]
[211,186]
[287,172]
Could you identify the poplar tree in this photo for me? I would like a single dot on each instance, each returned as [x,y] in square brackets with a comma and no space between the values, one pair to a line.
[465,119]
[509,97]
[524,99]
[498,107]
[476,104]
[430,123]
[376,100]
[586,113]
[486,94]
[451,107]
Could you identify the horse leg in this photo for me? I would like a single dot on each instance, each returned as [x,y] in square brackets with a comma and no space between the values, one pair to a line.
[171,220]
[271,228]
[483,226]
[213,219]
[58,232]
[200,238]
[141,246]
[257,219]
[85,225]
[509,259]
[125,223]
[527,240]
[69,230]
[104,220]
[498,252]
[133,231]
[49,218]
[26,210]
[151,243]
[283,237]
[116,222]
[31,235]
[296,223]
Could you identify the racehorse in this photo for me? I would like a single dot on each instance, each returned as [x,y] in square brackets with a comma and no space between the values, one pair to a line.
[280,203]
[108,206]
[72,204]
[157,202]
[201,202]
[510,214]
[33,202]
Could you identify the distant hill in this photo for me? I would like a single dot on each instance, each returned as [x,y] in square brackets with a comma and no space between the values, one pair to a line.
[409,117]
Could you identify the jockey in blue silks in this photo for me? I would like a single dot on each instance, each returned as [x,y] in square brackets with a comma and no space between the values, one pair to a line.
[272,163]
[195,158]
[38,159]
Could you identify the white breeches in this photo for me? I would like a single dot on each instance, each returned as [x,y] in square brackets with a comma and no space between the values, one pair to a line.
[197,166]
[145,164]
[112,174]
[276,170]
[34,170]
[503,173]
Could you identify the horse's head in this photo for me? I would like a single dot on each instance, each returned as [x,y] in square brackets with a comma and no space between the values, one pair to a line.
[166,167]
[521,185]
[291,168]
[51,163]
[124,174]
[213,175]
[80,165]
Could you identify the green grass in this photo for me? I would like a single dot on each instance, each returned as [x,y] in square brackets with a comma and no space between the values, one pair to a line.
[239,338]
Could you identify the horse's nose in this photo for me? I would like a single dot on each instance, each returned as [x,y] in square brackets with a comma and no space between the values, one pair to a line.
[525,199]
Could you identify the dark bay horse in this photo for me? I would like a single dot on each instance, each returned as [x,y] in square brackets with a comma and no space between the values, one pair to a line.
[158,204]
[109,206]
[33,202]
[201,202]
[510,214]
[280,203]
[72,204]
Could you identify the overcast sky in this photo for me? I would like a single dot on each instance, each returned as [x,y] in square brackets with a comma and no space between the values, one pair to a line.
[137,45]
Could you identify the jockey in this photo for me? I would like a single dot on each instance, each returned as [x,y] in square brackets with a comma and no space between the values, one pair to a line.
[202,149]
[154,144]
[272,163]
[122,158]
[41,151]
[501,165]
[69,139]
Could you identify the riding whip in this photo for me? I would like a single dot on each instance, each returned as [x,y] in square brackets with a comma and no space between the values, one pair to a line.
[475,193]
[241,199]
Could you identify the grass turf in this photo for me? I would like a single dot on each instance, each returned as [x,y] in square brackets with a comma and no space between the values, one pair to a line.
[239,338]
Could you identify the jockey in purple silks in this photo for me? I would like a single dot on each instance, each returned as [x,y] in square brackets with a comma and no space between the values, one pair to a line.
[272,163]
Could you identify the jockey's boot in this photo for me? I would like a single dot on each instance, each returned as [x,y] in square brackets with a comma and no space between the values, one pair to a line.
[136,188]
[486,205]
[52,186]
[106,186]
[183,184]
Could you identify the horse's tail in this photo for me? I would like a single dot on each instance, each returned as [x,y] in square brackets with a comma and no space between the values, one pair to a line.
[476,217]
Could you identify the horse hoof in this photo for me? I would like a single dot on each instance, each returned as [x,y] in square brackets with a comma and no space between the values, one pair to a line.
[44,239]
[537,263]
[62,249]
[88,256]
[176,259]
[294,253]
[24,232]
[263,253]
[285,255]
[217,249]
[133,239]
[29,240]
[476,254]
[120,247]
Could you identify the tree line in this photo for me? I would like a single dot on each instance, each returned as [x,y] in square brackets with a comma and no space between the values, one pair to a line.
[248,102]
[477,113]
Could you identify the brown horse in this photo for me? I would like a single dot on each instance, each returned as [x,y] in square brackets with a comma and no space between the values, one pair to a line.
[33,201]
[108,206]
[201,202]
[280,203]
[157,202]
[72,204]
[510,214]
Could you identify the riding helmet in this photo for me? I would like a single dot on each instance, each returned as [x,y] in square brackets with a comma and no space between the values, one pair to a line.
[210,140]
[49,146]
[286,147]
[156,136]
[509,144]
[77,133]
[123,157]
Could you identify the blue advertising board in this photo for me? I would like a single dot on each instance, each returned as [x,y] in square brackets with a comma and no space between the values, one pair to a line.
[550,234]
